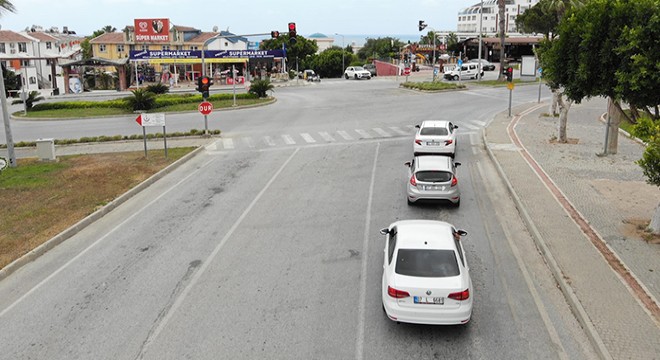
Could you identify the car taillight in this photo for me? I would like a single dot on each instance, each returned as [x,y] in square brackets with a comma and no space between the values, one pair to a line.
[454,181]
[413,181]
[448,142]
[463,295]
[418,142]
[398,294]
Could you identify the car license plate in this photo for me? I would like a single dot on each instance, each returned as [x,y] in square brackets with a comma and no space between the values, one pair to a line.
[429,300]
[431,187]
[432,143]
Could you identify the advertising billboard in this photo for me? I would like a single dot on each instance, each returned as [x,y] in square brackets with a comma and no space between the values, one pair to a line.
[152,30]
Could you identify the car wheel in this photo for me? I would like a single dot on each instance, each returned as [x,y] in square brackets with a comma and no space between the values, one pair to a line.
[355,76]
[410,203]
[455,78]
[458,203]
[346,76]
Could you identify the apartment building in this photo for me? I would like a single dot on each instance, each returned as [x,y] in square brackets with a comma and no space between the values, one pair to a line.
[469,21]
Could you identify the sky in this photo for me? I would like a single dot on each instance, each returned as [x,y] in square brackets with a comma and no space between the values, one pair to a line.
[347,17]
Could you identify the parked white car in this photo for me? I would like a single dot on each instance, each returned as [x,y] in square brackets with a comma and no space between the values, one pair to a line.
[467,71]
[357,72]
[426,278]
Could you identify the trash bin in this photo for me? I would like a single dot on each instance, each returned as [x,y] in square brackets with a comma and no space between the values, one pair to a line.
[46,149]
[56,91]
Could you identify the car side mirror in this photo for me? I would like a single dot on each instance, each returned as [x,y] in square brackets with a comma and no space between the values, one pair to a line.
[455,126]
[416,126]
[461,232]
[457,164]
[407,163]
[384,231]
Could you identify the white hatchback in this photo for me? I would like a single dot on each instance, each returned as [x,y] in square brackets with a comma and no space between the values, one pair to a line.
[426,279]
[435,137]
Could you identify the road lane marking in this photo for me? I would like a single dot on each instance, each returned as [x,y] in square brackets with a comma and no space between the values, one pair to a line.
[269,141]
[288,139]
[399,131]
[359,343]
[202,269]
[92,245]
[382,132]
[344,134]
[326,136]
[228,143]
[249,142]
[363,134]
[307,137]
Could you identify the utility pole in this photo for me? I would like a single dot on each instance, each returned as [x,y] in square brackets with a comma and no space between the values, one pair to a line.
[481,18]
[5,117]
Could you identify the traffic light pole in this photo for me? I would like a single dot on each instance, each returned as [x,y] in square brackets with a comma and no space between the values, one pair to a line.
[5,116]
[510,96]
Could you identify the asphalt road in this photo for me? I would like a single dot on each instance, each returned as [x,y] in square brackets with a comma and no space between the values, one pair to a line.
[266,245]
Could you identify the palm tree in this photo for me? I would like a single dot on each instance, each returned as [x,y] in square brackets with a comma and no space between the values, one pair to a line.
[109,29]
[6,5]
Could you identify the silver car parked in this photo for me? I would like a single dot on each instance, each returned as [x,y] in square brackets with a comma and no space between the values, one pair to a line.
[433,177]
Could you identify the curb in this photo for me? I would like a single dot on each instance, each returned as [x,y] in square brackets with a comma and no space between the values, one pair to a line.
[603,119]
[569,294]
[90,219]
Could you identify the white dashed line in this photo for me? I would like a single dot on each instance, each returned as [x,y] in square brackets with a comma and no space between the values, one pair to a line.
[344,134]
[288,139]
[382,132]
[269,141]
[326,136]
[363,134]
[228,144]
[399,131]
[307,137]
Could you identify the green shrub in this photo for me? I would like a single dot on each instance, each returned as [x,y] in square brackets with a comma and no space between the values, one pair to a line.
[260,88]
[31,98]
[158,88]
[141,100]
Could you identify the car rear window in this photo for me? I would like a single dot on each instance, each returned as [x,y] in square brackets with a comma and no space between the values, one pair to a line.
[433,176]
[426,263]
[434,131]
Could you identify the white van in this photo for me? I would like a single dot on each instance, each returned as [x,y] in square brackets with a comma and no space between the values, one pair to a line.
[468,71]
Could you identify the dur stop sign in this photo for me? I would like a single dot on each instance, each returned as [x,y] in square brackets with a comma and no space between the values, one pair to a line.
[205,107]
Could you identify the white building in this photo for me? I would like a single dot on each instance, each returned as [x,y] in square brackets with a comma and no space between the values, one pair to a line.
[35,56]
[322,41]
[468,18]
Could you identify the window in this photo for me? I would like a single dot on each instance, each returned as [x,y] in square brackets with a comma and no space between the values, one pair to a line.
[166,47]
[49,45]
[430,130]
[193,48]
[427,263]
[120,48]
[131,47]
[33,80]
[2,48]
[391,245]
[25,63]
[433,176]
[145,47]
[102,48]
[49,62]
[22,47]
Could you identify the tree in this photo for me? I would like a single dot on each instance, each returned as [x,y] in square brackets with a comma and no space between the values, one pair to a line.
[387,47]
[6,5]
[30,99]
[12,80]
[109,29]
[649,131]
[539,19]
[452,43]
[301,49]
[501,6]
[329,62]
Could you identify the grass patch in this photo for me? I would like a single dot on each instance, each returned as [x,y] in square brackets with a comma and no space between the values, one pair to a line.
[217,104]
[42,199]
[73,113]
[432,85]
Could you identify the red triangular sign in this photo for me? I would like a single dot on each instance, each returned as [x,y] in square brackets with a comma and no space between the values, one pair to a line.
[139,119]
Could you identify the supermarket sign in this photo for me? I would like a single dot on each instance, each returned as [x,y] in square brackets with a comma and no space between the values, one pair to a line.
[194,56]
[152,30]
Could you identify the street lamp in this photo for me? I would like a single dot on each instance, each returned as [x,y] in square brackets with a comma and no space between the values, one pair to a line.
[481,18]
[342,52]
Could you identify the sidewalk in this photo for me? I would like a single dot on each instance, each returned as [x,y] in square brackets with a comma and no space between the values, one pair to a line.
[581,210]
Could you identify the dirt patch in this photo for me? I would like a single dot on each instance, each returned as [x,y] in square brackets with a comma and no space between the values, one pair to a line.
[637,200]
[637,229]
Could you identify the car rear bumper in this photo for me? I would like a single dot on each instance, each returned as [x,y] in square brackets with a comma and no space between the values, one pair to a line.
[452,194]
[429,315]
[441,150]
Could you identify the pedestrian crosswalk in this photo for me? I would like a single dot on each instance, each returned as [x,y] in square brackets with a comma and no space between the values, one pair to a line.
[229,142]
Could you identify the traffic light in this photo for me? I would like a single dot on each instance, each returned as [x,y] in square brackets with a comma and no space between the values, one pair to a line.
[292,30]
[203,85]
[421,25]
[509,74]
[274,34]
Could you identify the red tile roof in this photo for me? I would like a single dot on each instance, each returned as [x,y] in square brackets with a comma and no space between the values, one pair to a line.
[184,28]
[42,36]
[10,36]
[109,38]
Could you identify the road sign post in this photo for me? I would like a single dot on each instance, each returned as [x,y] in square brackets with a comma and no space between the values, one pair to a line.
[205,108]
[510,86]
[155,119]
[406,72]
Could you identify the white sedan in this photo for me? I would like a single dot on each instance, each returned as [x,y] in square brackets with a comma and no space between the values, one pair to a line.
[426,279]
[357,72]
[435,137]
